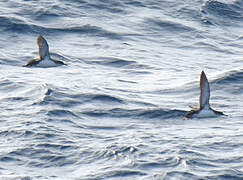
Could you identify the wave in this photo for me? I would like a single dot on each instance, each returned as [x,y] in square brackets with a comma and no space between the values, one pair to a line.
[61,113]
[136,113]
[223,13]
[229,80]
[110,61]
[117,173]
[168,26]
[179,175]
[20,26]
[231,77]
[109,6]
[7,86]
[59,97]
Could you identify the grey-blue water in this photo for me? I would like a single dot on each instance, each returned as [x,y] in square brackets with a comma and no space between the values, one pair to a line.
[117,110]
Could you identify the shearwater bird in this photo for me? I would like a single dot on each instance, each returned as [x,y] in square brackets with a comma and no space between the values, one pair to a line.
[44,59]
[204,110]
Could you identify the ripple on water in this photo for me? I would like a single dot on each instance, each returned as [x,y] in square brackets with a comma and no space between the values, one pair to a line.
[107,114]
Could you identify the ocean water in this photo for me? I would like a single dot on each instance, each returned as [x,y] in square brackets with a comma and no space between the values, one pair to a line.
[116,111]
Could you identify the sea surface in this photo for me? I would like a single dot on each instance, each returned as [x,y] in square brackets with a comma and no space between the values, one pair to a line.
[116,111]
